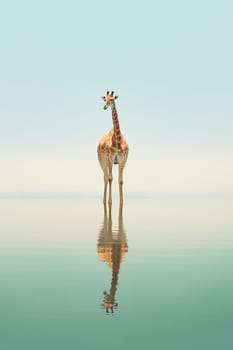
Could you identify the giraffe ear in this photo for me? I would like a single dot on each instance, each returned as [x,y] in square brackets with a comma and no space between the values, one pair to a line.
[103,97]
[116,97]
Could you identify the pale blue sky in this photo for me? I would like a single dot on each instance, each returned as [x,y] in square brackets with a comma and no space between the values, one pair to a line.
[171,64]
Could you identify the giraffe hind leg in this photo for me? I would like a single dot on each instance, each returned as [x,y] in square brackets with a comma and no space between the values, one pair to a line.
[120,181]
[120,178]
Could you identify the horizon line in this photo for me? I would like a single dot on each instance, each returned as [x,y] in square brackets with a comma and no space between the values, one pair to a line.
[44,195]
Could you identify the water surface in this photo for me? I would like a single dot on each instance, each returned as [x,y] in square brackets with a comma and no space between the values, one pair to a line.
[158,275]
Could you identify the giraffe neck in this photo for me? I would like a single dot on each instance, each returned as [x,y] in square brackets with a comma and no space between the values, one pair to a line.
[116,125]
[115,274]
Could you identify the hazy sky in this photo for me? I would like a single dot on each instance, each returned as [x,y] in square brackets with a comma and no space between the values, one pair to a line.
[169,61]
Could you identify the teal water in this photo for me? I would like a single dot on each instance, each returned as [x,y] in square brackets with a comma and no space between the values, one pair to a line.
[165,266]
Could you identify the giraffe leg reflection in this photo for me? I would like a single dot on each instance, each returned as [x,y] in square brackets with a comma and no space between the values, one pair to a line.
[112,247]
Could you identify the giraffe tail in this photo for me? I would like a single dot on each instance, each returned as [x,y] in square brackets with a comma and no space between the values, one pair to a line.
[115,160]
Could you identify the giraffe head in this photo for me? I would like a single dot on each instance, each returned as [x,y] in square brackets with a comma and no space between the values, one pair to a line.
[109,303]
[109,99]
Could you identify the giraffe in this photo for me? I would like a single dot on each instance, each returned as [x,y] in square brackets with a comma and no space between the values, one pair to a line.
[112,247]
[112,149]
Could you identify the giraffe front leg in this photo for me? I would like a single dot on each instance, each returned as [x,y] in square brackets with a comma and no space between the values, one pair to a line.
[120,181]
[110,184]
[105,187]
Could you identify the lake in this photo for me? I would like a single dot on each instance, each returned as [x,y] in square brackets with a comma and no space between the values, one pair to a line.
[156,275]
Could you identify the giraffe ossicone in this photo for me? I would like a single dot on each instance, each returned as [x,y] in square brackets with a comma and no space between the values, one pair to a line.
[112,149]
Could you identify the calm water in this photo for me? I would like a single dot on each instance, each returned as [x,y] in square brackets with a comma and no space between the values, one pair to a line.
[159,276]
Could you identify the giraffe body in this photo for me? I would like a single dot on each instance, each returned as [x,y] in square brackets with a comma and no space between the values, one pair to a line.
[108,149]
[112,149]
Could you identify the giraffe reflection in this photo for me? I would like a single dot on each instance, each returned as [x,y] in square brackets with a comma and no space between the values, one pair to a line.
[112,248]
